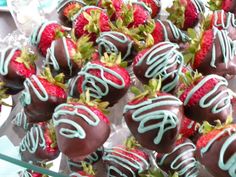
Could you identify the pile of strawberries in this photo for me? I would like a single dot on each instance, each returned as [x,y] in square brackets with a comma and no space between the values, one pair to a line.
[181,116]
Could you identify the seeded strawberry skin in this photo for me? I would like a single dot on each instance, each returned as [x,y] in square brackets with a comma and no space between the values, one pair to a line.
[191,16]
[158,34]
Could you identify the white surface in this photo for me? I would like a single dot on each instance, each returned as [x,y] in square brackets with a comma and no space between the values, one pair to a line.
[5,112]
[4,9]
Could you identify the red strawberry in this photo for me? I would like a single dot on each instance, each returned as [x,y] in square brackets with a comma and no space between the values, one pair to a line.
[86,172]
[180,160]
[39,144]
[113,7]
[91,21]
[15,66]
[31,173]
[216,147]
[185,13]
[68,56]
[146,117]
[108,78]
[44,92]
[165,30]
[209,54]
[206,98]
[77,125]
[226,5]
[67,9]
[118,159]
[155,5]
[43,36]
[188,128]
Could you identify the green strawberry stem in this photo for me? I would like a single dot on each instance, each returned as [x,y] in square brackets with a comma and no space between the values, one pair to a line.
[52,134]
[206,127]
[131,143]
[215,5]
[150,90]
[84,51]
[3,95]
[58,80]
[87,168]
[59,33]
[177,12]
[85,98]
[127,15]
[113,60]
[27,58]
[74,11]
[91,2]
[108,5]
[152,172]
[93,21]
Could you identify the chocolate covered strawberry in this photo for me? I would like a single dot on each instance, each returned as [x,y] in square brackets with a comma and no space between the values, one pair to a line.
[185,13]
[155,5]
[116,42]
[91,20]
[21,121]
[205,98]
[77,125]
[39,144]
[68,56]
[165,30]
[113,7]
[226,5]
[223,21]
[212,52]
[216,150]
[181,159]
[162,60]
[91,159]
[43,36]
[126,160]
[87,171]
[31,173]
[104,79]
[15,66]
[43,92]
[153,117]
[66,10]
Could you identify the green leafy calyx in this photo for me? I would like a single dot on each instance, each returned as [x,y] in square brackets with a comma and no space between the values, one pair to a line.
[27,58]
[113,60]
[131,143]
[215,5]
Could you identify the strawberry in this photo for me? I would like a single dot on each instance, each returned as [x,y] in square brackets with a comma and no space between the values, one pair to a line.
[87,171]
[205,98]
[188,128]
[67,9]
[31,173]
[180,160]
[185,13]
[91,21]
[39,144]
[155,5]
[68,56]
[15,66]
[103,78]
[113,7]
[77,124]
[165,30]
[45,92]
[43,36]
[223,21]
[211,52]
[218,145]
[226,5]
[162,60]
[153,117]
[126,160]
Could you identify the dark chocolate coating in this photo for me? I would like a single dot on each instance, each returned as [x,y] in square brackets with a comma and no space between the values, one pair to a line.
[90,159]
[210,158]
[199,114]
[40,111]
[147,139]
[222,68]
[40,154]
[75,148]
[183,161]
[121,47]
[61,57]
[63,19]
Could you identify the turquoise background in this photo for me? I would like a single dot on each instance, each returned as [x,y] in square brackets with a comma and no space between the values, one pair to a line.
[3,2]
